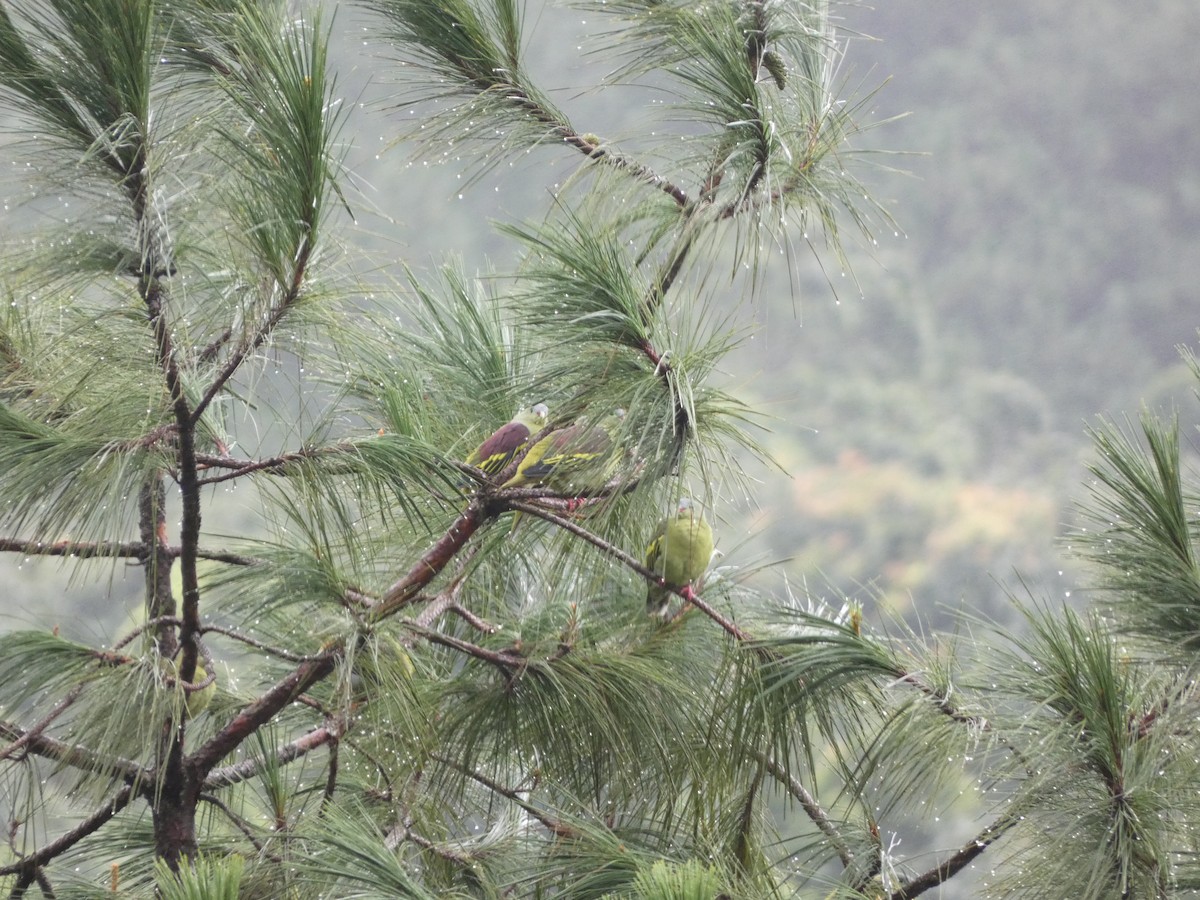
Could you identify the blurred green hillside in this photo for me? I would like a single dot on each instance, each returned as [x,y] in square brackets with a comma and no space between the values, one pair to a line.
[929,411]
[1047,273]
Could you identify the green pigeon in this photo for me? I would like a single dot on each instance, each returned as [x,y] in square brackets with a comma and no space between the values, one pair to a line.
[568,459]
[679,553]
[508,440]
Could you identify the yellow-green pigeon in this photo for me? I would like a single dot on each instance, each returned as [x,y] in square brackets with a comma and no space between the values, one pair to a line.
[578,457]
[508,440]
[679,553]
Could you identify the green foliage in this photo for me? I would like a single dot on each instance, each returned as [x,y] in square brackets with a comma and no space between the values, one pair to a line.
[83,72]
[416,698]
[285,148]
[206,879]
[466,57]
[1141,537]
[690,881]
[1109,766]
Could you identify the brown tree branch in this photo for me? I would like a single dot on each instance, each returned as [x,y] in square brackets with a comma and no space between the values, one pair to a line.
[435,559]
[157,560]
[447,598]
[955,863]
[68,840]
[258,713]
[331,777]
[227,776]
[473,620]
[75,755]
[117,549]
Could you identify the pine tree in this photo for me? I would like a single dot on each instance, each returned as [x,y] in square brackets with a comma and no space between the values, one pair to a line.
[353,676]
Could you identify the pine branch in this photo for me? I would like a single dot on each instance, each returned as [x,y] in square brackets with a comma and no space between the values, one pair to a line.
[88,826]
[248,345]
[278,652]
[42,724]
[279,83]
[447,598]
[222,556]
[227,776]
[115,549]
[240,467]
[209,353]
[403,591]
[554,825]
[150,288]
[977,723]
[811,808]
[156,560]
[606,155]
[331,777]
[402,832]
[508,663]
[954,864]
[473,620]
[261,711]
[454,43]
[75,755]
[662,366]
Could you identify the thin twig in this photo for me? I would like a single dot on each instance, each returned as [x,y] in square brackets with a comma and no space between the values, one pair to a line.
[34,730]
[507,663]
[620,161]
[595,151]
[554,825]
[273,465]
[146,626]
[402,832]
[810,806]
[636,565]
[266,326]
[980,723]
[209,353]
[242,825]
[257,644]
